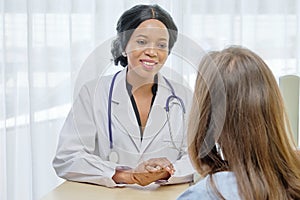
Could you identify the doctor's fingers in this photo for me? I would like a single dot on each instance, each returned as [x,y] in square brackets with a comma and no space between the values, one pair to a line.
[141,168]
[161,162]
[155,169]
[157,164]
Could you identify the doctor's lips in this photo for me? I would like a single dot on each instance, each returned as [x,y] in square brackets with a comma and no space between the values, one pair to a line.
[148,64]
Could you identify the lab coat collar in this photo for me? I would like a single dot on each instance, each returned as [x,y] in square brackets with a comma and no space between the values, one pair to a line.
[157,117]
[122,110]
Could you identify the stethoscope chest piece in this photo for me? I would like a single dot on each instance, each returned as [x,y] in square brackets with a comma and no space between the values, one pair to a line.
[113,157]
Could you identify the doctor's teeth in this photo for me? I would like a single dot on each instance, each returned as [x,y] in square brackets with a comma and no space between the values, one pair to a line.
[148,63]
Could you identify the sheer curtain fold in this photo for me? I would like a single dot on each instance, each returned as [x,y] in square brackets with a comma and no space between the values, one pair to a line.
[3,177]
[45,45]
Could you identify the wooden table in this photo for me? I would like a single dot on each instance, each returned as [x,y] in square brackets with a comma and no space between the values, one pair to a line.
[83,191]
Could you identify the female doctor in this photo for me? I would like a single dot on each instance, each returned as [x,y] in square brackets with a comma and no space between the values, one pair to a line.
[129,128]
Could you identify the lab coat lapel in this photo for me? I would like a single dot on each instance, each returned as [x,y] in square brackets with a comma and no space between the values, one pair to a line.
[123,112]
[157,117]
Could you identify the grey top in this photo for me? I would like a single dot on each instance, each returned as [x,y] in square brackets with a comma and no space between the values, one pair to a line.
[225,183]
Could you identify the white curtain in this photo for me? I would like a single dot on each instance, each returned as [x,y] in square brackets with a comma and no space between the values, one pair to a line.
[45,43]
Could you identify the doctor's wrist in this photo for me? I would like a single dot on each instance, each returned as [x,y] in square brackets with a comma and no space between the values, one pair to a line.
[123,176]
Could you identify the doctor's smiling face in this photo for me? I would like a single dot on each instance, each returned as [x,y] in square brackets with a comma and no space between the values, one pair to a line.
[147,49]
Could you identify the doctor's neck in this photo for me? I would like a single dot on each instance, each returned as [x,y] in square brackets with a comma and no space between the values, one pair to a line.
[140,83]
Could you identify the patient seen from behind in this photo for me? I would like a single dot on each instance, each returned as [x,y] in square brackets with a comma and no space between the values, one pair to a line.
[239,136]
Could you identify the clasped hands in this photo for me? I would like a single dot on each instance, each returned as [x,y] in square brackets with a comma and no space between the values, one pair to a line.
[149,171]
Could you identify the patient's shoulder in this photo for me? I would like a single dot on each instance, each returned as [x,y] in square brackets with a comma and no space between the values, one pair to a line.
[225,183]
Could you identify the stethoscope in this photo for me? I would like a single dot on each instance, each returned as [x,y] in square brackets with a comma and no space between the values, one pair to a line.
[113,155]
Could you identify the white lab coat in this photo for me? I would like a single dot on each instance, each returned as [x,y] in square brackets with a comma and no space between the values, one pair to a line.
[83,149]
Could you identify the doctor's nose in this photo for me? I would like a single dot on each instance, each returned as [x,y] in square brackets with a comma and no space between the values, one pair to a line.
[151,51]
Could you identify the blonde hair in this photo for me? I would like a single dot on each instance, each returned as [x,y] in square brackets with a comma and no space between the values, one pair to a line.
[255,137]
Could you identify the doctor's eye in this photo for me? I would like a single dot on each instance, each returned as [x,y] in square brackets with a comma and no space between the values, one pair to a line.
[141,42]
[162,45]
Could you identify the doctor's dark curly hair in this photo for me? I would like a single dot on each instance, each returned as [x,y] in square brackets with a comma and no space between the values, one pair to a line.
[131,19]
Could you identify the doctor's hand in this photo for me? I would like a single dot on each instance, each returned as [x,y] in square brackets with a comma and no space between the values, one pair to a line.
[156,165]
[153,170]
[141,177]
[145,178]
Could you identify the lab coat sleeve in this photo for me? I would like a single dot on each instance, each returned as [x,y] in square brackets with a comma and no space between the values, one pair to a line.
[76,159]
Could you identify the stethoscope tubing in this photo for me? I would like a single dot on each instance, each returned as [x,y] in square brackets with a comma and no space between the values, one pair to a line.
[109,109]
[173,96]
